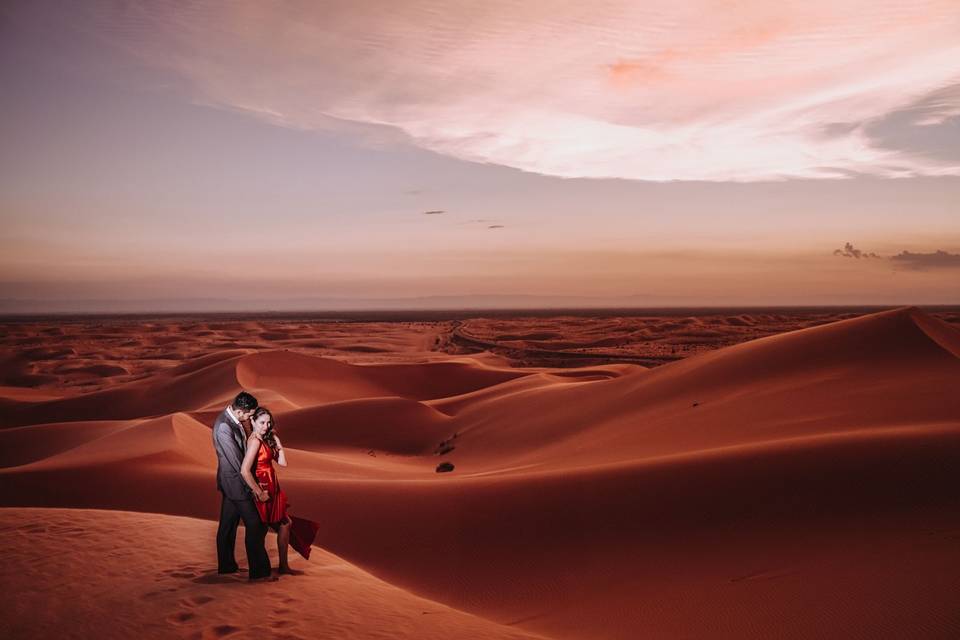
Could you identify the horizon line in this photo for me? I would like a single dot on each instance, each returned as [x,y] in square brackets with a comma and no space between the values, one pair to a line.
[461,310]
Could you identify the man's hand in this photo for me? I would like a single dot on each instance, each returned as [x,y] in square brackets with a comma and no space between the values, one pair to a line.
[262,495]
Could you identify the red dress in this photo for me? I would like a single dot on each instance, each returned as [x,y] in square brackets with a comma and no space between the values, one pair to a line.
[274,510]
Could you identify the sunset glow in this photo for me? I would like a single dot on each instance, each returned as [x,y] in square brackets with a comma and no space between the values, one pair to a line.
[661,150]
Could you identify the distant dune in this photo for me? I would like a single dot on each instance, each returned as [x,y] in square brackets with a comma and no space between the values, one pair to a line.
[803,484]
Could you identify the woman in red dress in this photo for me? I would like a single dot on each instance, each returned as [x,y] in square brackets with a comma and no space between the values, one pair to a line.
[263,447]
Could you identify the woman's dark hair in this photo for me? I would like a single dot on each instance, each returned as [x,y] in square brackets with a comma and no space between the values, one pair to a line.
[268,436]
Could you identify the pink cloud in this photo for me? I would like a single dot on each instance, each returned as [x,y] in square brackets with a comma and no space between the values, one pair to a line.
[658,90]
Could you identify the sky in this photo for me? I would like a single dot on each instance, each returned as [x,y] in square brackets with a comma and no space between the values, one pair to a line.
[256,155]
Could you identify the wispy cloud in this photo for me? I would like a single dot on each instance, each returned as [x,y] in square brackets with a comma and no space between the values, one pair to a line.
[939,259]
[849,251]
[937,108]
[657,90]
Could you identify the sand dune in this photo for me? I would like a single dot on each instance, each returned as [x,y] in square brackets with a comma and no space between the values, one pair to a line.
[192,385]
[388,424]
[110,574]
[297,376]
[80,354]
[798,485]
[644,339]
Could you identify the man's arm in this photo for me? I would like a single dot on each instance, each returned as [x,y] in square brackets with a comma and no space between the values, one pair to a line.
[228,447]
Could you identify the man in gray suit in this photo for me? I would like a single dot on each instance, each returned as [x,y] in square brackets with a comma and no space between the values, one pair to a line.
[229,439]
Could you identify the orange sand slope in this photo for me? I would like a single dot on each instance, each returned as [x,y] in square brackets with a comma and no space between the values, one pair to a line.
[799,485]
[114,574]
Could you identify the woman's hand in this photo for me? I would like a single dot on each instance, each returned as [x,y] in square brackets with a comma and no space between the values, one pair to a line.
[262,495]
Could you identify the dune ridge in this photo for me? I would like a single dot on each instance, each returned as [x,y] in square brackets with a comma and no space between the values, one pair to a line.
[798,485]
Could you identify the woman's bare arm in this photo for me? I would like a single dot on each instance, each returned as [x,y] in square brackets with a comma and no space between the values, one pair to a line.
[281,456]
[253,444]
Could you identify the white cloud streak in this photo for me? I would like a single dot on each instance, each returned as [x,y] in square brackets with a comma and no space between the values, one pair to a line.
[657,90]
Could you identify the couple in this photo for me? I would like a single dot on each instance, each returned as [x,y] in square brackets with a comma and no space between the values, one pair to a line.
[248,482]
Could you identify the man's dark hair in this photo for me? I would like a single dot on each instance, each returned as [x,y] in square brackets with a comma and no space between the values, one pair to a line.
[244,402]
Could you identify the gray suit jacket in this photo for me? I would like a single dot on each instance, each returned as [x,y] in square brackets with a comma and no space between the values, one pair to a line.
[228,442]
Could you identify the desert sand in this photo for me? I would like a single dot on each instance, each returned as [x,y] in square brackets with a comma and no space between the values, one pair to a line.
[803,484]
[136,575]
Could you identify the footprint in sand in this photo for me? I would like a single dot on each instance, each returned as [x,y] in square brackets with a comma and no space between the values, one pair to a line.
[192,602]
[224,630]
[180,618]
[213,577]
[182,572]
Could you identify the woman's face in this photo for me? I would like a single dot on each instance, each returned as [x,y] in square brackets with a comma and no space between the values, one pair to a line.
[261,424]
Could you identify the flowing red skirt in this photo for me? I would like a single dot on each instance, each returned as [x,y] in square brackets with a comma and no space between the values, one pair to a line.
[302,534]
[302,531]
[274,511]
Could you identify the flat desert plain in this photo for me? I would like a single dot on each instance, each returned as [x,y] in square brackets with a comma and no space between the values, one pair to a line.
[735,474]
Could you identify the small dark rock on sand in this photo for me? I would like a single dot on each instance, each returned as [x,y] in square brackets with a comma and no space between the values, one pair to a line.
[445,446]
[444,467]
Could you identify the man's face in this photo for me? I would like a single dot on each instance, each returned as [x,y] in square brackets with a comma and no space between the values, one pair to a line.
[244,415]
